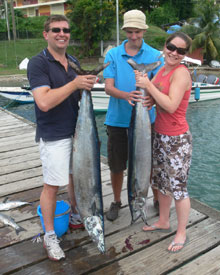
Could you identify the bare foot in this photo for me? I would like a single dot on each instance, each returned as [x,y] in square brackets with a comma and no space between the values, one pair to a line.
[157,227]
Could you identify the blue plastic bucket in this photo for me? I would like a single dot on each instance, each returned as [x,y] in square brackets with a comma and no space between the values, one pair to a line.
[61,219]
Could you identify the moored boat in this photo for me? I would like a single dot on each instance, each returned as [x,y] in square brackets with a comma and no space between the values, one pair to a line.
[17,94]
[200,92]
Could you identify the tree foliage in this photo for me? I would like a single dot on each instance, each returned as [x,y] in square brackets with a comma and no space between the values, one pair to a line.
[143,5]
[205,29]
[183,8]
[159,15]
[91,21]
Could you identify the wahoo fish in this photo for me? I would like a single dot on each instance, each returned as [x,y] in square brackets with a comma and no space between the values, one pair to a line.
[6,220]
[7,205]
[86,166]
[139,161]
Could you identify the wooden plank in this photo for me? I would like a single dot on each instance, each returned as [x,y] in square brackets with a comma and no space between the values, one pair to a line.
[19,159]
[29,211]
[13,126]
[13,133]
[208,264]
[7,122]
[10,121]
[20,166]
[19,137]
[20,175]
[16,146]
[9,237]
[19,152]
[85,258]
[156,260]
[19,186]
[27,139]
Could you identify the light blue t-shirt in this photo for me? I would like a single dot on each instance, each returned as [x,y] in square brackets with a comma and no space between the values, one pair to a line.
[119,110]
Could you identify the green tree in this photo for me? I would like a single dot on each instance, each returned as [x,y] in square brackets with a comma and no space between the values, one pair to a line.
[159,15]
[144,5]
[183,8]
[91,21]
[205,29]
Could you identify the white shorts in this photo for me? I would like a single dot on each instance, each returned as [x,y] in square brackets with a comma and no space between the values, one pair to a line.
[56,157]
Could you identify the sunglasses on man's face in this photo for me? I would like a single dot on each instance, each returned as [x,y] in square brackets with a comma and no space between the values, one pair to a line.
[57,30]
[173,48]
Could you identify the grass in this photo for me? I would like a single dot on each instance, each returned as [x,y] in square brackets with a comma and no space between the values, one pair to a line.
[12,53]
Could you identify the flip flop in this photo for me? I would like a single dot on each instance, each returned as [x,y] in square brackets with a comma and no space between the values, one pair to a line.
[155,228]
[178,244]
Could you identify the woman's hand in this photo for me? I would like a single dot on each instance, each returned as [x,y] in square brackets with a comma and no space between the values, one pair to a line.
[148,102]
[141,80]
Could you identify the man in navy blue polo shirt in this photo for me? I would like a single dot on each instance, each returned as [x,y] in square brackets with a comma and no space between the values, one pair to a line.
[55,88]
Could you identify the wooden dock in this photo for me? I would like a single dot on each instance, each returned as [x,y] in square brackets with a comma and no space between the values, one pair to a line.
[129,249]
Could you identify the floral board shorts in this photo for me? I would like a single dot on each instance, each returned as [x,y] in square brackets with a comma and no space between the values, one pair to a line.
[171,162]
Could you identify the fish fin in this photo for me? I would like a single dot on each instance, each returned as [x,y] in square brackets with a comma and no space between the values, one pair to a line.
[93,207]
[5,200]
[134,220]
[37,239]
[18,230]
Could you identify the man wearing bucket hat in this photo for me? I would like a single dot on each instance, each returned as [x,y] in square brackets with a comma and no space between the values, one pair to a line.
[56,90]
[120,85]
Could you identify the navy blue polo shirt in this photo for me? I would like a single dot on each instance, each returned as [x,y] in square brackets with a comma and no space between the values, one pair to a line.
[59,122]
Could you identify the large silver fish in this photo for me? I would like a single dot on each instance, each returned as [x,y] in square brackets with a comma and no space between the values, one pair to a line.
[86,167]
[7,204]
[6,220]
[139,161]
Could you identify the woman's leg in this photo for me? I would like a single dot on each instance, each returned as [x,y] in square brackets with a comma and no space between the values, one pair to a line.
[182,211]
[164,206]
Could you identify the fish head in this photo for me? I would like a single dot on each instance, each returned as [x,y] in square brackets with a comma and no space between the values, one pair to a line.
[94,227]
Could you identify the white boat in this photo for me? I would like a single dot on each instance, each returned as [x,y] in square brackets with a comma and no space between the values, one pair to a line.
[17,94]
[200,92]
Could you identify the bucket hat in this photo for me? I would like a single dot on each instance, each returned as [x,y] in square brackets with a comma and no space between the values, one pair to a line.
[135,19]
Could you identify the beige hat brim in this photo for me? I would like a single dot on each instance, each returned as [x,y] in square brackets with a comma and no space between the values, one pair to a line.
[135,25]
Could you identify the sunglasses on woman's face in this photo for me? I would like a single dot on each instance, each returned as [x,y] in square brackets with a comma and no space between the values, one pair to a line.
[171,47]
[57,30]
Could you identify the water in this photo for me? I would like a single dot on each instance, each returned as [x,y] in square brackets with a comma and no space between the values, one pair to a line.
[203,118]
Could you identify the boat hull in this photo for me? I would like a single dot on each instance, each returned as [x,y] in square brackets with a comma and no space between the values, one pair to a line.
[207,92]
[17,94]
[101,99]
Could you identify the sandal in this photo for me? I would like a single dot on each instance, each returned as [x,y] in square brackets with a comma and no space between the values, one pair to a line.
[173,244]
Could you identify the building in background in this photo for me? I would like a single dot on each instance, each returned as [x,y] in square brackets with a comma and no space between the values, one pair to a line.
[32,8]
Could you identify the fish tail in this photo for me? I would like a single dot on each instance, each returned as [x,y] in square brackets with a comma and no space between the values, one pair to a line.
[137,216]
[5,200]
[19,229]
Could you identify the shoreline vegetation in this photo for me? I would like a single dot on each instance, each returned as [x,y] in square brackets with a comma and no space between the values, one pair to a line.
[20,76]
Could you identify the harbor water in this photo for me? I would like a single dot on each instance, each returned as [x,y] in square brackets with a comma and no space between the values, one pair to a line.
[203,118]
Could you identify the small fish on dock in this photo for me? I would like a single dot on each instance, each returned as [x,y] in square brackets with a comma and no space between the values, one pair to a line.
[7,204]
[6,220]
[139,160]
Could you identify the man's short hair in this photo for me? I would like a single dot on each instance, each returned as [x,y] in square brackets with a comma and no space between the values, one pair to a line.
[54,18]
